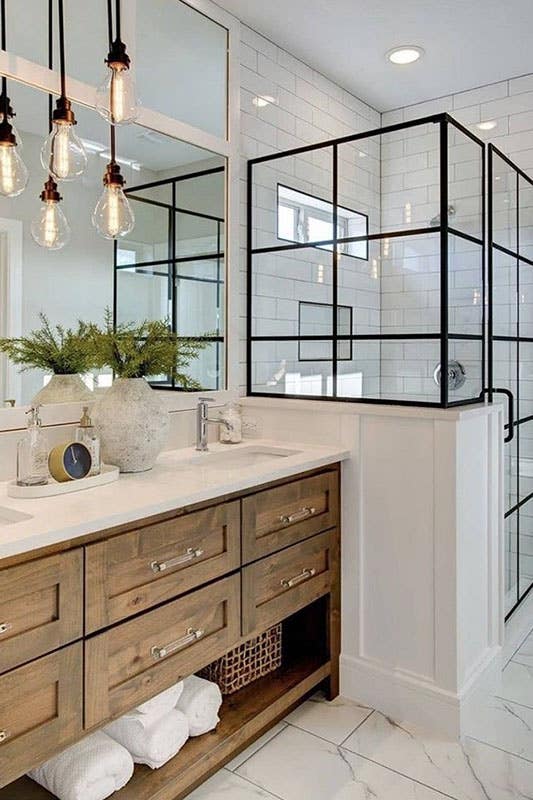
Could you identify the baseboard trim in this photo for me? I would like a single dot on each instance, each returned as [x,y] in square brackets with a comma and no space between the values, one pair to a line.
[405,698]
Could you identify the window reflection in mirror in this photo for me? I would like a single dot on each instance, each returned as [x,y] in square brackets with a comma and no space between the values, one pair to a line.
[179,225]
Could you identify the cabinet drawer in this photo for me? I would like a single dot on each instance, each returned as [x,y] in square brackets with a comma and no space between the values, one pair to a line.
[281,516]
[145,567]
[283,583]
[136,660]
[41,607]
[40,710]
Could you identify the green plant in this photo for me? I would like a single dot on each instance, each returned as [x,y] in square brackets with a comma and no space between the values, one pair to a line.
[56,349]
[149,348]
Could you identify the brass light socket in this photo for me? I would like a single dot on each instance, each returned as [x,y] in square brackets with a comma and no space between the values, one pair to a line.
[117,57]
[63,113]
[50,191]
[113,175]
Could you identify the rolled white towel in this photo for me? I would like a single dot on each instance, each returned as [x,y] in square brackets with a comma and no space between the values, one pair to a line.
[200,701]
[90,770]
[162,703]
[152,743]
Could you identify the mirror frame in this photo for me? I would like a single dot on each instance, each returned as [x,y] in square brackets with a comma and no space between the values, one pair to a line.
[40,77]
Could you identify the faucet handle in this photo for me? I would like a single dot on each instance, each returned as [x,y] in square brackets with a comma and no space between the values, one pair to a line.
[203,400]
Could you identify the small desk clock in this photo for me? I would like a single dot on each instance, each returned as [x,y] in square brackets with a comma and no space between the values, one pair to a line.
[69,462]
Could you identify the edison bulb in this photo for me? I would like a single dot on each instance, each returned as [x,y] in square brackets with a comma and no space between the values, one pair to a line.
[113,216]
[13,171]
[116,98]
[62,154]
[50,229]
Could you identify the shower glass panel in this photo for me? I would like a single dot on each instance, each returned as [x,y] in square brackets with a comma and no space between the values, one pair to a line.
[366,267]
[511,357]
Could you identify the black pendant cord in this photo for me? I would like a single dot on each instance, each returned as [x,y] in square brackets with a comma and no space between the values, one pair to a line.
[110,23]
[50,59]
[117,18]
[112,139]
[5,100]
[62,47]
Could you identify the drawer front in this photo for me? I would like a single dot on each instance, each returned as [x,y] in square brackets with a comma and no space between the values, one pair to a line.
[283,583]
[41,607]
[138,659]
[145,567]
[40,710]
[278,517]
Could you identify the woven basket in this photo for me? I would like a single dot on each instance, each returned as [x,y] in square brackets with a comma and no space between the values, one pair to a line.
[246,663]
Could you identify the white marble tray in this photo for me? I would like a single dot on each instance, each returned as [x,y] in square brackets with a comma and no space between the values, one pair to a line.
[108,474]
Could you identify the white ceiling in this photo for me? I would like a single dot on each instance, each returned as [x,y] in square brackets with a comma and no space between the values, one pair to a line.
[468,43]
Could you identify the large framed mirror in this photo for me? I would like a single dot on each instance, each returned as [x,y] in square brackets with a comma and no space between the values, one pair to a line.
[177,164]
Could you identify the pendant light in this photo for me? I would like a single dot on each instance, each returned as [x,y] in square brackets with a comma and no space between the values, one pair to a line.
[113,216]
[13,171]
[62,154]
[116,98]
[50,228]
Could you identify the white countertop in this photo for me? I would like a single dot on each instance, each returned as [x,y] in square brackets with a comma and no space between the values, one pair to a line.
[179,478]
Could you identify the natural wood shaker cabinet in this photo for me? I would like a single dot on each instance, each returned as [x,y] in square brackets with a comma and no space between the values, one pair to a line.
[281,584]
[139,569]
[135,660]
[283,515]
[164,597]
[41,607]
[40,710]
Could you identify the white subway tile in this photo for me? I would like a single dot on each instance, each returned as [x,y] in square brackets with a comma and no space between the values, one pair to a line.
[493,91]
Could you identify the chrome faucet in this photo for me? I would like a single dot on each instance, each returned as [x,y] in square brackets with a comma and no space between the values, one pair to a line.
[202,422]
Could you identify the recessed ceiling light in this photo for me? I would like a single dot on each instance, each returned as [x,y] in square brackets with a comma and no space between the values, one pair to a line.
[407,54]
[487,125]
[262,100]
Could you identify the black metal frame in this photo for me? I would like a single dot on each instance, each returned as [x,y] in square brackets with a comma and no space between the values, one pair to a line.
[173,260]
[514,422]
[317,338]
[444,229]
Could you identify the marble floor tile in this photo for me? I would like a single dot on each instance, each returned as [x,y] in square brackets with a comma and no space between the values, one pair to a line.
[517,683]
[525,653]
[503,724]
[297,765]
[226,785]
[333,720]
[255,746]
[473,771]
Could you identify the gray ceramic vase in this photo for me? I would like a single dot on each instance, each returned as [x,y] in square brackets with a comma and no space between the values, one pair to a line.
[133,423]
[63,389]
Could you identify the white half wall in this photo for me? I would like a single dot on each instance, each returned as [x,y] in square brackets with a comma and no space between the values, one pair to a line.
[422,590]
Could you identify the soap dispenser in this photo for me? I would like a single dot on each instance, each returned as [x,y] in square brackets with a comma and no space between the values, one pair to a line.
[32,452]
[86,433]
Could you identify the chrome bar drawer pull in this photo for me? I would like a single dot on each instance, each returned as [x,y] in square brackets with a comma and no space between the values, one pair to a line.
[191,636]
[190,554]
[288,583]
[3,736]
[5,627]
[297,516]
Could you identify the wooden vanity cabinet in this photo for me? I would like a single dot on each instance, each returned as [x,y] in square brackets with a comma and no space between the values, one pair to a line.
[101,626]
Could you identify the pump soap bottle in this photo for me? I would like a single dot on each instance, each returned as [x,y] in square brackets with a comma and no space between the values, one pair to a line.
[86,433]
[32,452]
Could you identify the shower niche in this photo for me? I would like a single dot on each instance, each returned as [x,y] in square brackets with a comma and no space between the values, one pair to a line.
[366,267]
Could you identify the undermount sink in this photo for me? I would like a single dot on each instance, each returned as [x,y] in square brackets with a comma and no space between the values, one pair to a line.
[9,517]
[243,457]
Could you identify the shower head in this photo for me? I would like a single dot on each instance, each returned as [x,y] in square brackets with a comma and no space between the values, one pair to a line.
[436,219]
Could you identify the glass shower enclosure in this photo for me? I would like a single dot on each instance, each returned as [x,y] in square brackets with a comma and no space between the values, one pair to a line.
[510,365]
[365,267]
